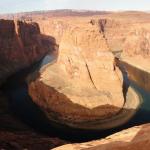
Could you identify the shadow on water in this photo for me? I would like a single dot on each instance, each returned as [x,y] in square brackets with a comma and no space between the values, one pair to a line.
[143,115]
[26,110]
[126,82]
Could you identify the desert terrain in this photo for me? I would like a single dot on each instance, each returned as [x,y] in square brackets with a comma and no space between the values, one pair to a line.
[83,88]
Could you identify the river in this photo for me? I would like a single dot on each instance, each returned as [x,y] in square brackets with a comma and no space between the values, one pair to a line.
[22,106]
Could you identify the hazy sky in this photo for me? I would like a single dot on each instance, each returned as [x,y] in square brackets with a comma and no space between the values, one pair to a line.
[8,6]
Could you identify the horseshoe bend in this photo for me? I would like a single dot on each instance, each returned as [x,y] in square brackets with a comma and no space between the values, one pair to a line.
[84,72]
[83,85]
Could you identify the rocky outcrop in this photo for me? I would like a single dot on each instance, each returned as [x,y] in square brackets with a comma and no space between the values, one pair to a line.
[82,85]
[135,138]
[21,44]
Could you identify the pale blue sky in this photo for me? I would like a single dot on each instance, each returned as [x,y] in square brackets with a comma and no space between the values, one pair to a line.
[9,6]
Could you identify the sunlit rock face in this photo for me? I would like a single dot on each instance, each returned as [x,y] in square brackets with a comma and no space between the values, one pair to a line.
[21,44]
[138,43]
[82,85]
[123,31]
[131,36]
[136,138]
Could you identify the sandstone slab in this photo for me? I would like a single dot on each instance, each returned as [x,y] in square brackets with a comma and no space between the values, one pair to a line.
[135,138]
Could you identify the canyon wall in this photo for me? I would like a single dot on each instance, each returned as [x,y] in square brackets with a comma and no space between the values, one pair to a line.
[21,44]
[131,36]
[25,42]
[138,74]
[130,32]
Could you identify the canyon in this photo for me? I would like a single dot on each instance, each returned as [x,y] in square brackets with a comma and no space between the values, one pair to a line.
[82,88]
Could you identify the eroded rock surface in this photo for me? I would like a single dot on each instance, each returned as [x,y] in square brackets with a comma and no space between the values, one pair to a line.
[135,138]
[83,84]
[21,44]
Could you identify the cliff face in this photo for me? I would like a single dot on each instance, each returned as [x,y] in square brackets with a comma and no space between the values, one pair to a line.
[21,44]
[130,36]
[137,72]
[138,43]
[122,32]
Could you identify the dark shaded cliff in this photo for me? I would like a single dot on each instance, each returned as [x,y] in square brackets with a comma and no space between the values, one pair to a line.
[21,44]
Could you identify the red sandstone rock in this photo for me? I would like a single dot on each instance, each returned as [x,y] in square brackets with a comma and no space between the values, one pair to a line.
[135,138]
[21,44]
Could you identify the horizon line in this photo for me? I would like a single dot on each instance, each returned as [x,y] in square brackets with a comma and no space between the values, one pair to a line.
[84,10]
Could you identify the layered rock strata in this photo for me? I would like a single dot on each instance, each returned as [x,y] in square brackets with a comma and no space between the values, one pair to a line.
[21,44]
[132,36]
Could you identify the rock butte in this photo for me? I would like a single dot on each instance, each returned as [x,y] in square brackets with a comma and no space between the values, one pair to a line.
[75,89]
[83,85]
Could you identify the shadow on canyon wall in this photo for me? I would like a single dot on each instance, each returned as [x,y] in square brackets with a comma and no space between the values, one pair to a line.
[21,45]
[22,106]
[19,48]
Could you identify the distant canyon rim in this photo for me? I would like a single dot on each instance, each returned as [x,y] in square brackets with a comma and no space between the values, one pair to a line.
[83,87]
